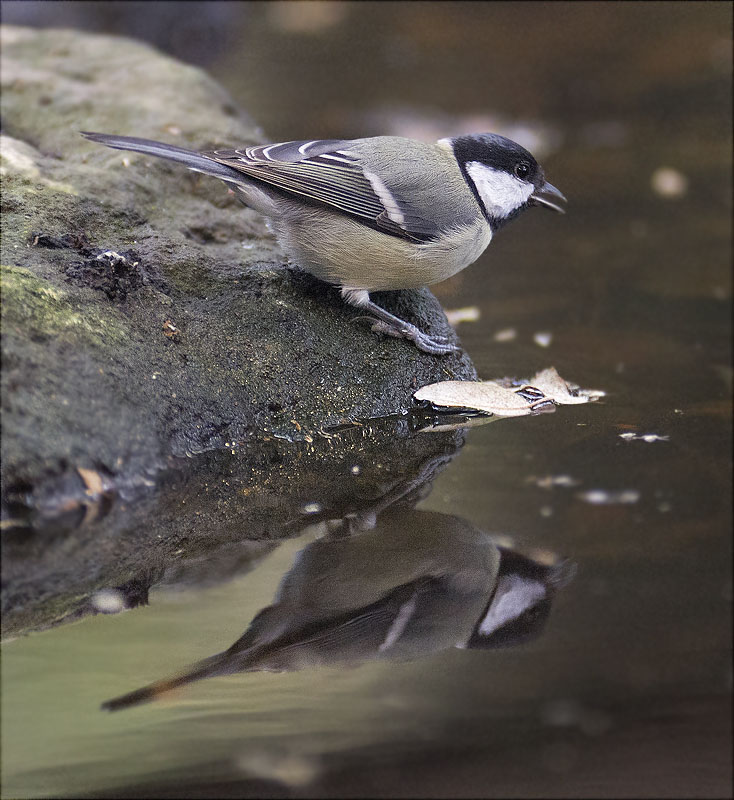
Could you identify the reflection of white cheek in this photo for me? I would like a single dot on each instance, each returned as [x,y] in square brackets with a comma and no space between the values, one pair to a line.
[514,596]
[501,192]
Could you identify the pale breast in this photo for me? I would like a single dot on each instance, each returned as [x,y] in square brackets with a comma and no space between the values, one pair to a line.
[343,252]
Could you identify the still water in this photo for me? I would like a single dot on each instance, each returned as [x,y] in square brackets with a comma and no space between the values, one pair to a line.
[617,681]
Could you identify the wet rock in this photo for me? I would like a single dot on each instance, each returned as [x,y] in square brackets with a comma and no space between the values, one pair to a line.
[147,316]
[99,258]
[200,519]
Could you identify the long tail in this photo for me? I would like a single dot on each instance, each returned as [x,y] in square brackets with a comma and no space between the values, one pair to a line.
[219,664]
[188,158]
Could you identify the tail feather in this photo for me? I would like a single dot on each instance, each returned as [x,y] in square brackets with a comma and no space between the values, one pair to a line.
[189,158]
[209,667]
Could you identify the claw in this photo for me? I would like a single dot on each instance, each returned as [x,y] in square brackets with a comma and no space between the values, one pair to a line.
[390,325]
[434,347]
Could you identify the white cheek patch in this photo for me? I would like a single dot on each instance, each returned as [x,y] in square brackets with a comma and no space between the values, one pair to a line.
[514,595]
[501,193]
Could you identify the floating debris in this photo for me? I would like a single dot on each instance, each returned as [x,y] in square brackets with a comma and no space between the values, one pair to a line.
[466,314]
[561,391]
[311,508]
[549,481]
[508,397]
[543,338]
[643,437]
[602,497]
[669,182]
[486,396]
[505,335]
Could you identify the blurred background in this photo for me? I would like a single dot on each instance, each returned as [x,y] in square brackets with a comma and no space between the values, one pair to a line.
[629,108]
[348,69]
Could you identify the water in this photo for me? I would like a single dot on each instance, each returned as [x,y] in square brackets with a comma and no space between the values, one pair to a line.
[626,691]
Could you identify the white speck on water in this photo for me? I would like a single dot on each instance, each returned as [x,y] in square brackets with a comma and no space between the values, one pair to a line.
[467,314]
[643,437]
[602,497]
[505,335]
[356,470]
[543,338]
[669,182]
[311,508]
[549,481]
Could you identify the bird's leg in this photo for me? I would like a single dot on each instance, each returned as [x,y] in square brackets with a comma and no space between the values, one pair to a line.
[394,326]
[391,325]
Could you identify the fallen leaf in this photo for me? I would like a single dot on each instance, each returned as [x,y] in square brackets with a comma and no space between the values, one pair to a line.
[507,397]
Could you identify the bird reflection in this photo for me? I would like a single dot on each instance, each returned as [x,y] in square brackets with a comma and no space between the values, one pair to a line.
[416,583]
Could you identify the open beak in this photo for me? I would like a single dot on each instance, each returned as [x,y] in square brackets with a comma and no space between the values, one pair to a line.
[548,196]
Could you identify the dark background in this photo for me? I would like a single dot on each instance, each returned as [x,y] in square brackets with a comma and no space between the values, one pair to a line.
[628,105]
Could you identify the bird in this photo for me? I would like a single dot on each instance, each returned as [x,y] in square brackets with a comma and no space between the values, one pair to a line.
[417,583]
[380,213]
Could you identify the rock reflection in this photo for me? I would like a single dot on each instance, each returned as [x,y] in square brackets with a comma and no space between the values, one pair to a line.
[200,519]
[414,583]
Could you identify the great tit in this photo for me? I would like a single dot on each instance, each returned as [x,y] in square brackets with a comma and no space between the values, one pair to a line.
[380,213]
[417,583]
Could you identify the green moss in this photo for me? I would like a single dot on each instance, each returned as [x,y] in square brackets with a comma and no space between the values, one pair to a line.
[38,308]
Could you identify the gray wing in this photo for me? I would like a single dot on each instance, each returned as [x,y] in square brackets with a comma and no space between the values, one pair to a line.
[325,171]
[353,636]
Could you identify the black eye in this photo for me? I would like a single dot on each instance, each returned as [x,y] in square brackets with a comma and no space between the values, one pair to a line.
[522,169]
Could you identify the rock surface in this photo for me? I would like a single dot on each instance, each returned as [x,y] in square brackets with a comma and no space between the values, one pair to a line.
[145,312]
[150,326]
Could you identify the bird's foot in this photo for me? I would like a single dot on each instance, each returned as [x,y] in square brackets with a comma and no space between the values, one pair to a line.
[435,345]
[385,322]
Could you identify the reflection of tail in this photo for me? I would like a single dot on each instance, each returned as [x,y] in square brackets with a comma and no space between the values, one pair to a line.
[219,664]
